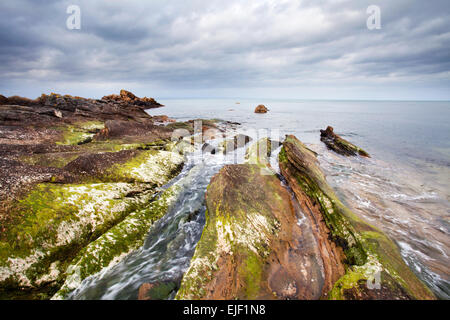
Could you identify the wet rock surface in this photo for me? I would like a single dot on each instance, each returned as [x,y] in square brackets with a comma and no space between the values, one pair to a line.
[157,290]
[71,171]
[345,240]
[261,109]
[252,246]
[339,145]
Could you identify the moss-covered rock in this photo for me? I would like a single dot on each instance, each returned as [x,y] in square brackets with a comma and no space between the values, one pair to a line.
[368,253]
[259,153]
[115,244]
[251,246]
[339,145]
[50,224]
[238,141]
[54,220]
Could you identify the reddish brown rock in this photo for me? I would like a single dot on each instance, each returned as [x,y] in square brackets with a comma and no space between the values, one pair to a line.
[261,109]
[162,119]
[145,132]
[332,255]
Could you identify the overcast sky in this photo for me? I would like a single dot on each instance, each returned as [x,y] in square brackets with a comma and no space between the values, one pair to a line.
[305,49]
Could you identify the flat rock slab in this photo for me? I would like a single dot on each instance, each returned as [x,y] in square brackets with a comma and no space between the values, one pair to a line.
[339,145]
[346,239]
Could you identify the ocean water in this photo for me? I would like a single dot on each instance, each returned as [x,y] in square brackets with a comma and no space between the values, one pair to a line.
[404,189]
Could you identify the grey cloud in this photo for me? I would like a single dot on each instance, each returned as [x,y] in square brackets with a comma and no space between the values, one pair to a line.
[210,45]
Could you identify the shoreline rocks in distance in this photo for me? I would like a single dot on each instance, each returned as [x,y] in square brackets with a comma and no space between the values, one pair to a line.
[339,145]
[252,246]
[261,109]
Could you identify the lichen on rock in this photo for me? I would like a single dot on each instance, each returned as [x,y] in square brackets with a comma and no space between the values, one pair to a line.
[53,222]
[340,145]
[366,251]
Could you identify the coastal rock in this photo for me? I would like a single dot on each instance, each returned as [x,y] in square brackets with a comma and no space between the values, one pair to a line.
[259,153]
[371,260]
[116,243]
[339,145]
[3,100]
[237,142]
[54,221]
[135,133]
[124,238]
[162,119]
[156,291]
[207,148]
[78,184]
[130,98]
[261,109]
[251,246]
[19,111]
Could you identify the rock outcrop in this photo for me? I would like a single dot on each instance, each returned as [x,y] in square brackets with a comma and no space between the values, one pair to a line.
[252,246]
[237,142]
[78,184]
[374,268]
[261,109]
[339,145]
[157,290]
[127,97]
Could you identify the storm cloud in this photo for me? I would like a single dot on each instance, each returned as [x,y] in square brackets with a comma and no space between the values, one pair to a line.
[273,49]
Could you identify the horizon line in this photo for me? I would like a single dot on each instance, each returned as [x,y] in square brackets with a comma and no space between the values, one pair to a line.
[303,99]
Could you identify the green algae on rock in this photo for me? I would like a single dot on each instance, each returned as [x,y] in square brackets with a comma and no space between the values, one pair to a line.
[369,255]
[151,167]
[340,145]
[251,244]
[238,141]
[115,244]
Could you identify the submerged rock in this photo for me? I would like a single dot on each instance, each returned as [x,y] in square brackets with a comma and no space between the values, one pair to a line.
[374,268]
[54,221]
[261,109]
[339,145]
[251,246]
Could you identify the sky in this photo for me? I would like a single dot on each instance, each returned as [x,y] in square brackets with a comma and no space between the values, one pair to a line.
[280,49]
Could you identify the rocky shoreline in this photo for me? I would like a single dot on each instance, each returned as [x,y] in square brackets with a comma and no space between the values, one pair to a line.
[82,183]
